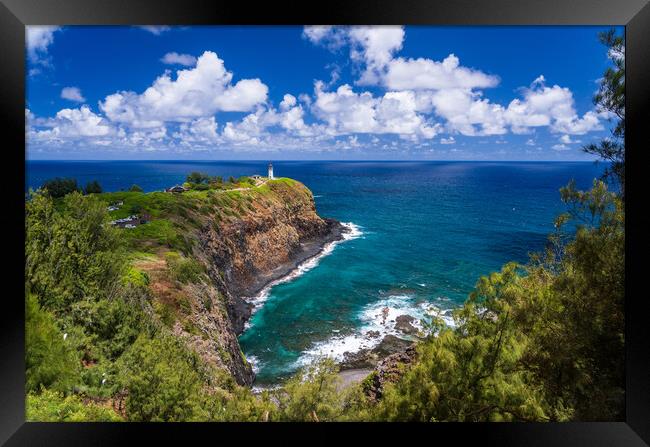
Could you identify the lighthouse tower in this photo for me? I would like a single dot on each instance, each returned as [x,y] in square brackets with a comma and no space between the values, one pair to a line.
[271,171]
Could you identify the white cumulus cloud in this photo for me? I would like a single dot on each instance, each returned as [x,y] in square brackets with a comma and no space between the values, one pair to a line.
[38,39]
[72,94]
[72,124]
[346,111]
[155,29]
[427,74]
[174,58]
[197,92]
[549,106]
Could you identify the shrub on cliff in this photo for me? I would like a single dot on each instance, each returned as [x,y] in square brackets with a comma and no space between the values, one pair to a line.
[50,360]
[182,269]
[201,187]
[72,253]
[471,374]
[50,406]
[216,181]
[312,394]
[162,381]
[74,271]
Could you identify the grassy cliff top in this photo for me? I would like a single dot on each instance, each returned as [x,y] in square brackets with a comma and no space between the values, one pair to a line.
[172,218]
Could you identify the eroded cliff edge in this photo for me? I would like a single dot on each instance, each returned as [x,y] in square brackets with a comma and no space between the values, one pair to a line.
[278,231]
[242,239]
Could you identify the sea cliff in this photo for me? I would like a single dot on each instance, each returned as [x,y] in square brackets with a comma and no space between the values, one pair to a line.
[238,241]
[279,230]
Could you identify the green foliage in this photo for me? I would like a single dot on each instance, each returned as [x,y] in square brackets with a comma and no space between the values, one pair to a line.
[197,177]
[162,381]
[239,404]
[70,254]
[201,187]
[157,204]
[185,270]
[135,188]
[50,406]
[166,312]
[537,342]
[311,395]
[135,277]
[471,374]
[50,361]
[586,349]
[93,187]
[59,187]
[161,231]
[610,99]
[109,327]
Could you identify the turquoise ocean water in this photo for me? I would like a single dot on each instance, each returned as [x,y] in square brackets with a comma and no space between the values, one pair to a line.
[422,234]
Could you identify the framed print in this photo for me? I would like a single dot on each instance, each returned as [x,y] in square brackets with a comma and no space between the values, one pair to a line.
[243,219]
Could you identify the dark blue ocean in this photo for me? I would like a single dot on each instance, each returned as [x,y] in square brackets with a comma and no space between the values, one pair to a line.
[422,233]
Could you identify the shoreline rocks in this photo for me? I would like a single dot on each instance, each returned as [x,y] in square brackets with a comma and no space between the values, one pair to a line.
[389,370]
[370,357]
[403,324]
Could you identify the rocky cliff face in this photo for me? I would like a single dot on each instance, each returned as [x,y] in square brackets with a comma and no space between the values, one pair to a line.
[247,239]
[279,229]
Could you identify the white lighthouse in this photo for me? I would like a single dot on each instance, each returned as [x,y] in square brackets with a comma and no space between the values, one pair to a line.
[271,171]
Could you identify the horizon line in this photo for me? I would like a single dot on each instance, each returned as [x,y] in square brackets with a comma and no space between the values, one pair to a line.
[312,160]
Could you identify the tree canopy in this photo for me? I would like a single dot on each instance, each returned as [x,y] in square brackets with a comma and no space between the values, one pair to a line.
[540,341]
[93,187]
[198,177]
[59,187]
[610,100]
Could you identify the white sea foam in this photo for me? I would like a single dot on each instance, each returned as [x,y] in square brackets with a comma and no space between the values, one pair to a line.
[255,363]
[352,231]
[258,389]
[372,319]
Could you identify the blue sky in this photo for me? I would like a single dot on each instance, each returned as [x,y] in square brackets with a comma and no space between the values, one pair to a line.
[223,92]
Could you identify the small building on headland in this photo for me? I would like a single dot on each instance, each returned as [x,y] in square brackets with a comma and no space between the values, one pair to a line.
[115,206]
[176,188]
[131,221]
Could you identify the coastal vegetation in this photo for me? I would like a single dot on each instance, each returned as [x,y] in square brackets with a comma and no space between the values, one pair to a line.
[610,100]
[536,342]
[116,317]
[104,305]
[59,187]
[199,181]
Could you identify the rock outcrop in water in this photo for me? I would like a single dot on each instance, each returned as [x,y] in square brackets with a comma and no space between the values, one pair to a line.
[371,357]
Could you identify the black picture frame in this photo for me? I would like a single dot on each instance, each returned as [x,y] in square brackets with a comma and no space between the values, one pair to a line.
[634,14]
